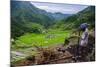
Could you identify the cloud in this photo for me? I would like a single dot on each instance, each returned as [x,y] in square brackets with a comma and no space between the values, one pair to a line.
[63,8]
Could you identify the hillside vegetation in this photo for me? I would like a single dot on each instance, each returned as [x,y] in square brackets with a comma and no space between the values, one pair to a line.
[85,16]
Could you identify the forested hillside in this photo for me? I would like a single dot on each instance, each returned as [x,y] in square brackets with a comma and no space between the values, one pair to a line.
[85,16]
[25,17]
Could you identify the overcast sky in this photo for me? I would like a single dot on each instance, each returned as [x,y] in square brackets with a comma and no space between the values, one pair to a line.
[63,8]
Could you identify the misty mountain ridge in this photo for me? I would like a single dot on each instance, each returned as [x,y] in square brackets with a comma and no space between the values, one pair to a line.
[57,15]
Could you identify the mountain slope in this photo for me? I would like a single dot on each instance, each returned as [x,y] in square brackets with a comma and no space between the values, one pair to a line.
[85,16]
[59,16]
[23,13]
